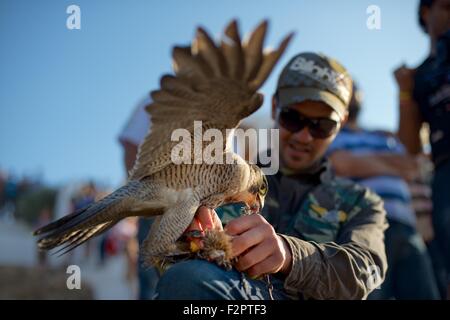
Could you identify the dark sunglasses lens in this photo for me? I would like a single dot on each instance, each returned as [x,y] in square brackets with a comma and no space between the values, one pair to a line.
[289,119]
[322,128]
[292,121]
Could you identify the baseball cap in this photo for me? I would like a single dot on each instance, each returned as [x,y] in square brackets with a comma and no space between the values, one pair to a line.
[314,76]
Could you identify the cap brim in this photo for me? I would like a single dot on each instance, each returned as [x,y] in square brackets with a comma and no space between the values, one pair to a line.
[289,96]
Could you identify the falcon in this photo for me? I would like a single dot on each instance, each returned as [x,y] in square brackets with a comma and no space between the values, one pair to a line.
[215,83]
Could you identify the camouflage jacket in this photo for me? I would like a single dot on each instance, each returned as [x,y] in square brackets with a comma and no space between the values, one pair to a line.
[335,230]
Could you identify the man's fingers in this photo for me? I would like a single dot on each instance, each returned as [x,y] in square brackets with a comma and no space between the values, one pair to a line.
[195,225]
[244,223]
[205,217]
[254,256]
[264,267]
[202,220]
[216,221]
[403,69]
[248,239]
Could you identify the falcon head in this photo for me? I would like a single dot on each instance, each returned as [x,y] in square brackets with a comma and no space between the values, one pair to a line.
[258,189]
[254,192]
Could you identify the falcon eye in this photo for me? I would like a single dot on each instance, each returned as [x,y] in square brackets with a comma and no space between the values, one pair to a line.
[263,189]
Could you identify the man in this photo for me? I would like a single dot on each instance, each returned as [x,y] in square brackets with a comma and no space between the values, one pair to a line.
[378,161]
[424,97]
[318,237]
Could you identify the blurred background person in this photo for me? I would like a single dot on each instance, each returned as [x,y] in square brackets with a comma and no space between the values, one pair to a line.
[45,217]
[424,97]
[377,160]
[130,138]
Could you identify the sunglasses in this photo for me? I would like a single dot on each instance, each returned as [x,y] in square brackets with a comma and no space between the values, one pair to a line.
[294,121]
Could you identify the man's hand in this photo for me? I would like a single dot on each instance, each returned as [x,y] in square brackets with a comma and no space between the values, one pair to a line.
[258,248]
[205,219]
[405,78]
[410,119]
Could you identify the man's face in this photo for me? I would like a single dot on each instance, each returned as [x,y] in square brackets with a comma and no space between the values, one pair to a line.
[437,18]
[300,150]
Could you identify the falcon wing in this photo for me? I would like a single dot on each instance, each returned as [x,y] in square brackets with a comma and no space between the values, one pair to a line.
[215,84]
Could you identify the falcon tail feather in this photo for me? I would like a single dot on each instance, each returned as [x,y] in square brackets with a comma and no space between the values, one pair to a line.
[81,225]
[75,228]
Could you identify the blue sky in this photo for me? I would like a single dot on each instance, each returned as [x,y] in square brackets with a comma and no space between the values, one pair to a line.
[66,94]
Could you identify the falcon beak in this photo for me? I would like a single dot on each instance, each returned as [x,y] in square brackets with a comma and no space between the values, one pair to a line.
[257,205]
[253,202]
[260,202]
